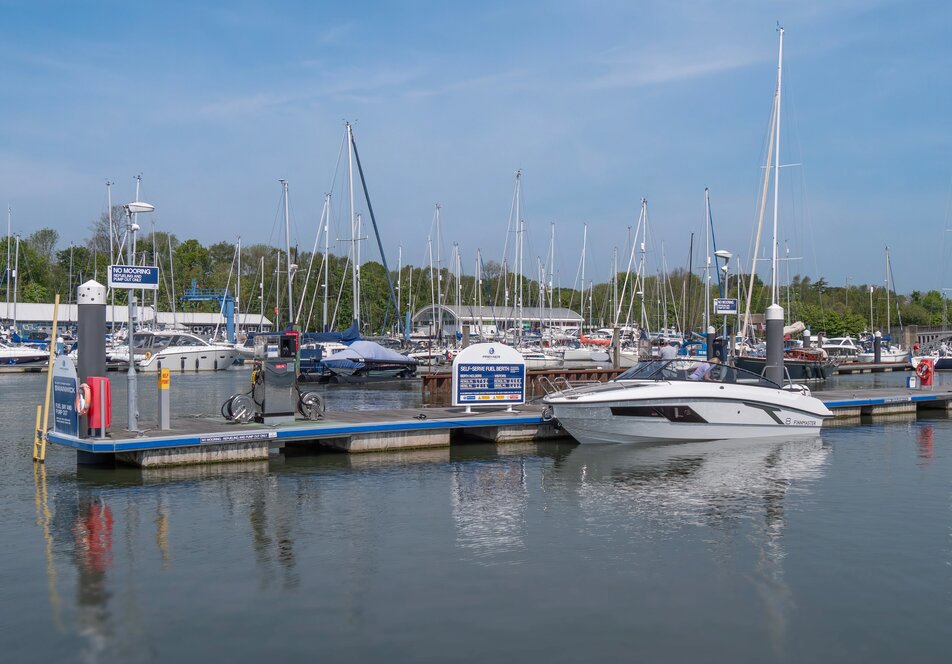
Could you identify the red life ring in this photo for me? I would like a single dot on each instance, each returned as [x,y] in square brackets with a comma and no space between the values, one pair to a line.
[924,371]
[83,398]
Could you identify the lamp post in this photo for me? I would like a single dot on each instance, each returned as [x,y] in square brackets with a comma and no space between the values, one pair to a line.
[131,228]
[726,256]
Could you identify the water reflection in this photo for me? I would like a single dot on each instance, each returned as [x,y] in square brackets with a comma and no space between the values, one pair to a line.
[727,486]
[489,499]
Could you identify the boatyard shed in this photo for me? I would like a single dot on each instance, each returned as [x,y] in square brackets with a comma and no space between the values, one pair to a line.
[492,320]
[38,316]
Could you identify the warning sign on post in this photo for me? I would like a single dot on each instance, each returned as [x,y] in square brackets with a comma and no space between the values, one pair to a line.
[134,277]
[489,374]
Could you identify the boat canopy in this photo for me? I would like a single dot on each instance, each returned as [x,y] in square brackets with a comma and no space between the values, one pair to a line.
[348,336]
[368,351]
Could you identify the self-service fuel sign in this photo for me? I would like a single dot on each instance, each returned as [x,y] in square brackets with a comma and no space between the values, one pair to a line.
[489,374]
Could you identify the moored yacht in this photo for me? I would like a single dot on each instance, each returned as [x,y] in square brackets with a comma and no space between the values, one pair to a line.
[176,350]
[669,400]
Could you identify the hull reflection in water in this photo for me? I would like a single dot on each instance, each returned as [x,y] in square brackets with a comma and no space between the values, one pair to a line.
[695,481]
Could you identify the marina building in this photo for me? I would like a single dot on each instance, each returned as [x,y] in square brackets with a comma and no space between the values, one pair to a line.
[38,317]
[490,321]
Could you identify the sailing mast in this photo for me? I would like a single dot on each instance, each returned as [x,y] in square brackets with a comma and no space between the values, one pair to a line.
[9,222]
[776,191]
[584,243]
[327,267]
[438,311]
[707,260]
[287,247]
[353,223]
[238,292]
[518,295]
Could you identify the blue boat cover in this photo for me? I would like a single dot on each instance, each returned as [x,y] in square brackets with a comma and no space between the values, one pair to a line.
[347,336]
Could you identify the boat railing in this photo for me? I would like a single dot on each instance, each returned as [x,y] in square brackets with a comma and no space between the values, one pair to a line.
[560,384]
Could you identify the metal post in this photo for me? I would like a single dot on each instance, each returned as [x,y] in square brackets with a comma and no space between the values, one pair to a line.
[466,336]
[616,347]
[710,341]
[91,328]
[773,370]
[133,400]
[878,347]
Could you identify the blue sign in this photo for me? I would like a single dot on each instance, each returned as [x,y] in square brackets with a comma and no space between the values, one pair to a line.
[725,306]
[491,383]
[65,417]
[133,277]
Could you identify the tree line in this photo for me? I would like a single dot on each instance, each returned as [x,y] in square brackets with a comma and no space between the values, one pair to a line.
[672,300]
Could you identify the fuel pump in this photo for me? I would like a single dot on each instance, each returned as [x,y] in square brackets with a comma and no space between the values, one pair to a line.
[275,396]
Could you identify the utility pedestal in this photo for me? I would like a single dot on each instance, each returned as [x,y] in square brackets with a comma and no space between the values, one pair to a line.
[773,369]
[91,324]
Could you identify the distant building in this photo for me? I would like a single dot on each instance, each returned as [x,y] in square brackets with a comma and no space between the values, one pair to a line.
[488,321]
[39,317]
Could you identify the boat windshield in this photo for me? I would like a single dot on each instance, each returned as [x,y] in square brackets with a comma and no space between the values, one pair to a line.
[694,369]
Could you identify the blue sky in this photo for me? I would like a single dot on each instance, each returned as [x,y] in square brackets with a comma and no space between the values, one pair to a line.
[599,103]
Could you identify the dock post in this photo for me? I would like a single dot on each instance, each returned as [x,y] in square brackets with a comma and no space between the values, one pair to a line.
[465,336]
[165,378]
[877,347]
[709,339]
[91,328]
[773,369]
[807,338]
[616,347]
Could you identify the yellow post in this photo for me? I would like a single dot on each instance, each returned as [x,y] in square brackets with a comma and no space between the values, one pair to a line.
[45,415]
[37,433]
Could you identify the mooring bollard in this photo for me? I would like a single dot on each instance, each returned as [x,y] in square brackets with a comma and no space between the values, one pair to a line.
[165,379]
[91,328]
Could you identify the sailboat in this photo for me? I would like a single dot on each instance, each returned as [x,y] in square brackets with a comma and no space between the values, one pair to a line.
[800,364]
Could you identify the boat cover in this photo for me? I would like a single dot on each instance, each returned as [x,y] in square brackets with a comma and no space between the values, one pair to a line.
[368,351]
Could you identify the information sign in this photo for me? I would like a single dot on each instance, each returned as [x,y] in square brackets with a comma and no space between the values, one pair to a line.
[489,374]
[65,381]
[725,306]
[134,277]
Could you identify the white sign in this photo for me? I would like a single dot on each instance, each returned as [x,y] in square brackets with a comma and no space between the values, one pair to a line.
[489,374]
[134,277]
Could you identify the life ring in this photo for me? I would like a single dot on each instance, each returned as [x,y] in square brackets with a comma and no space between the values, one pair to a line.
[83,397]
[924,371]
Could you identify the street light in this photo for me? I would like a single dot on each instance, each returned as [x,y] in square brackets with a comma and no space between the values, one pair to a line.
[726,256]
[131,227]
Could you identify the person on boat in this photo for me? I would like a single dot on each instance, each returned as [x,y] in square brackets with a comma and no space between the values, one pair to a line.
[669,351]
[703,370]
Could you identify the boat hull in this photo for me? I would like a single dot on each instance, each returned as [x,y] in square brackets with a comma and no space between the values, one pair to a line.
[798,370]
[722,419]
[204,359]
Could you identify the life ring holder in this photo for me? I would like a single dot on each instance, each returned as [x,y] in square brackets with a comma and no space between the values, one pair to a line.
[84,397]
[924,371]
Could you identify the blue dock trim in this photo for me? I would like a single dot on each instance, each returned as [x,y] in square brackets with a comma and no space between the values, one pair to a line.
[883,401]
[281,434]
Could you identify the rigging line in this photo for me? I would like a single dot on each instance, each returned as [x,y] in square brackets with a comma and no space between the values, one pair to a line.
[760,221]
[373,219]
[310,263]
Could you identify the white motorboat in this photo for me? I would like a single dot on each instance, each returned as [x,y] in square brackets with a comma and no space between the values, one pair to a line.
[659,401]
[843,349]
[22,355]
[176,350]
[894,355]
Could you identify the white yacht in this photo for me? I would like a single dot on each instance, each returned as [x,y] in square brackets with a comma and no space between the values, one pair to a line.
[176,350]
[22,355]
[658,400]
[893,355]
[842,349]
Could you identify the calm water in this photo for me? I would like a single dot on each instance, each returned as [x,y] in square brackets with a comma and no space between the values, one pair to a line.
[830,549]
